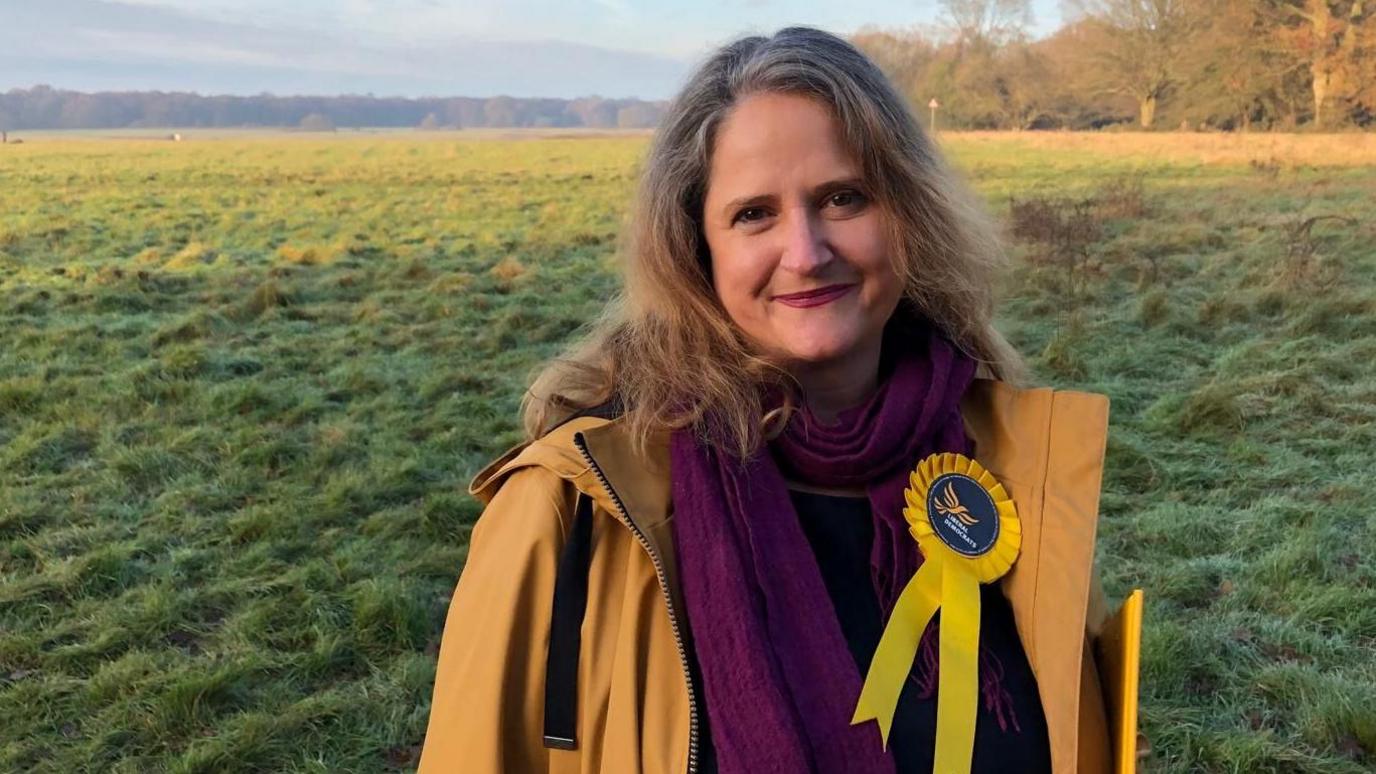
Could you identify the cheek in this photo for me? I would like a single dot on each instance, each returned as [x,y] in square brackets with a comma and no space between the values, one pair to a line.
[885,283]
[870,247]
[739,278]
[870,258]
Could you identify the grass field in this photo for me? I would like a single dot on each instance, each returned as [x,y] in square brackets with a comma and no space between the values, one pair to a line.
[244,382]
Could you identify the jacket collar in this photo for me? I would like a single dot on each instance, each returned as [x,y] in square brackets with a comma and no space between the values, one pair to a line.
[1010,427]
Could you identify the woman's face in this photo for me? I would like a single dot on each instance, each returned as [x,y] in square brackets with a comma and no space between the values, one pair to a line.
[799,255]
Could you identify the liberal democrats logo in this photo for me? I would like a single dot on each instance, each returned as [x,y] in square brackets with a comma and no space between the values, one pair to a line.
[962,514]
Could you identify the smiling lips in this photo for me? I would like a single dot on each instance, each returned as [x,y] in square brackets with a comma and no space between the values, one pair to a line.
[816,297]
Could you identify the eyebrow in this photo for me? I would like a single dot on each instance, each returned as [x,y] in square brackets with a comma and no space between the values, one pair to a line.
[756,199]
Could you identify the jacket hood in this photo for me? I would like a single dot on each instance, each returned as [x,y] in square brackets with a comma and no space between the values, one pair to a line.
[641,483]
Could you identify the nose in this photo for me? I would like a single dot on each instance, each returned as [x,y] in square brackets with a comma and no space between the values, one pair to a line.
[805,250]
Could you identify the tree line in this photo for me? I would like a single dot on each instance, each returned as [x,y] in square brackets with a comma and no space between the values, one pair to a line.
[1196,64]
[44,107]
[1230,65]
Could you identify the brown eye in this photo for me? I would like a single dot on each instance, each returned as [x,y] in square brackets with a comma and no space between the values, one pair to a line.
[741,215]
[848,198]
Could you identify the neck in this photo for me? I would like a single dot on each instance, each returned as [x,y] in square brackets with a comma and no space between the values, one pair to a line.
[834,386]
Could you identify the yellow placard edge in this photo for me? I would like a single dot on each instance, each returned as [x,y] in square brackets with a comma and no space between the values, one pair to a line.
[1120,652]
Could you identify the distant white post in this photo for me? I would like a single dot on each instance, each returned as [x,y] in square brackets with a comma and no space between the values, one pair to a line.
[933,104]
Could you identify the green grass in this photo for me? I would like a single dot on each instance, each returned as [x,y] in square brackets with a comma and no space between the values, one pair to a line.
[244,382]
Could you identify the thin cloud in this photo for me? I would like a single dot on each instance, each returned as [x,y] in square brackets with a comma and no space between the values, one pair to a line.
[89,45]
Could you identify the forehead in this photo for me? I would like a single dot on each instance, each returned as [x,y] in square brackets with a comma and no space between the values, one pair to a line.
[768,135]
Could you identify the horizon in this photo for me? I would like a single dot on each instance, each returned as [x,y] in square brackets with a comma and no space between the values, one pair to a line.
[276,95]
[614,49]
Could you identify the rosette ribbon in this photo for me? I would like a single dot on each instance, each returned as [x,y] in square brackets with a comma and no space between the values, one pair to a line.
[968,531]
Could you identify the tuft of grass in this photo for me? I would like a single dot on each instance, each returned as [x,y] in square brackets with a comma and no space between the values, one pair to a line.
[508,269]
[193,255]
[310,255]
[267,296]
[1153,308]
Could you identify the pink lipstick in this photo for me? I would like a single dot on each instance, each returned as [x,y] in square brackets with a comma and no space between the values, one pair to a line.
[817,297]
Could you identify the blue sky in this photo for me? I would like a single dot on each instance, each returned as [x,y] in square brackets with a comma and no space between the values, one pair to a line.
[526,48]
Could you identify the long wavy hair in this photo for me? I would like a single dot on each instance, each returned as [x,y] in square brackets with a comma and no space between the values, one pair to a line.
[665,347]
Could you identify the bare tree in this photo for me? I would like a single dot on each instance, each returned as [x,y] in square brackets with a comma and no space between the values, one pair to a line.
[986,77]
[1134,46]
[1024,85]
[987,22]
[1238,66]
[1335,41]
[903,55]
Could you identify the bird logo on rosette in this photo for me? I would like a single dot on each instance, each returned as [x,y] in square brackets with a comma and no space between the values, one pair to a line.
[948,504]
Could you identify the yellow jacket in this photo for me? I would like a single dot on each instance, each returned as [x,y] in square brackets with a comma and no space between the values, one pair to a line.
[636,710]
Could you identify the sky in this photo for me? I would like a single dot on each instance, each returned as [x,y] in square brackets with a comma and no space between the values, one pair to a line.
[411,48]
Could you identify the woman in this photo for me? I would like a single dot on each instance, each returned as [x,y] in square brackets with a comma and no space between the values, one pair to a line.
[688,566]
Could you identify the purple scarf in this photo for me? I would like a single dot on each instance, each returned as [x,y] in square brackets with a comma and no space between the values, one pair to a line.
[780,682]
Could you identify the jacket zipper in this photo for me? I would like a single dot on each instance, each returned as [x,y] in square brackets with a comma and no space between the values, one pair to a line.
[668,598]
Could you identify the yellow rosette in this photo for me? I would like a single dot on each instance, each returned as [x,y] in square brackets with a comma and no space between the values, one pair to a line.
[968,532]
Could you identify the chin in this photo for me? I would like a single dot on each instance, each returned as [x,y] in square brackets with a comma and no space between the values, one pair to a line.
[818,351]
